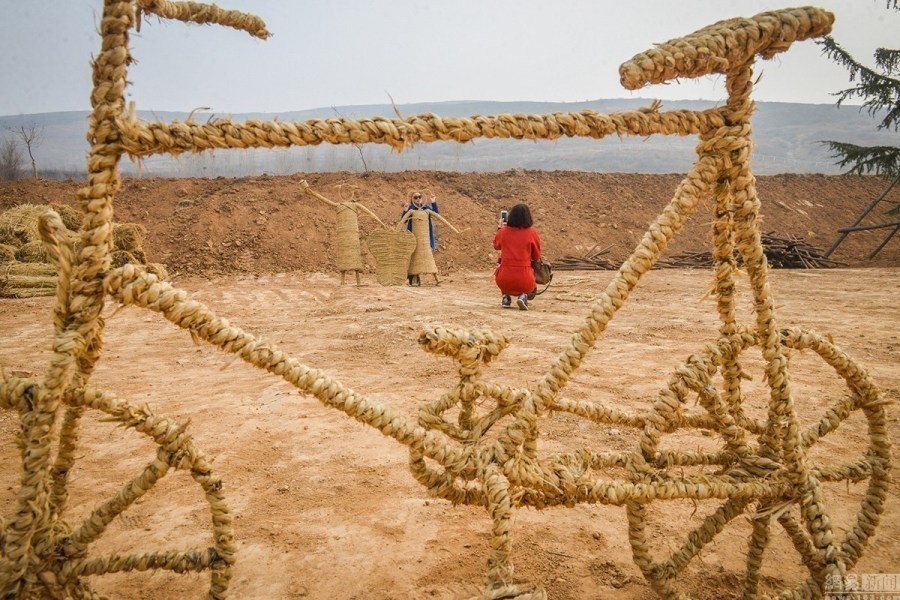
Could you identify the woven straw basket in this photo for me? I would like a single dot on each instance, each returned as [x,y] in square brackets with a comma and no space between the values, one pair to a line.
[392,248]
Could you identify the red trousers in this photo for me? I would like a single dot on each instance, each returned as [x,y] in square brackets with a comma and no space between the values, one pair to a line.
[515,280]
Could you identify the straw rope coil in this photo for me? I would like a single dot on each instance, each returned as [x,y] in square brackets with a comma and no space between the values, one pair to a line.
[488,454]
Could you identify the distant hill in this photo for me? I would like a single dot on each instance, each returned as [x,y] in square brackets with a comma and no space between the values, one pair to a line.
[785,134]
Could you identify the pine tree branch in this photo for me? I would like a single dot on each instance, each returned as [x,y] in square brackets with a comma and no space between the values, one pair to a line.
[880,160]
[879,91]
[888,60]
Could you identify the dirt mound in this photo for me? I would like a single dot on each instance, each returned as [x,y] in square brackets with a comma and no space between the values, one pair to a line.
[265,225]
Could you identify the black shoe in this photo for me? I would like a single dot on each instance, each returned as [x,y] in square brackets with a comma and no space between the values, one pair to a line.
[507,301]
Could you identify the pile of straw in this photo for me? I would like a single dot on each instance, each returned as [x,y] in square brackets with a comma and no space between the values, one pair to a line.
[7,253]
[26,266]
[19,225]
[27,280]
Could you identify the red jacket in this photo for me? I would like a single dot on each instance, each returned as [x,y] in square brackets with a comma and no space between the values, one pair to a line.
[518,247]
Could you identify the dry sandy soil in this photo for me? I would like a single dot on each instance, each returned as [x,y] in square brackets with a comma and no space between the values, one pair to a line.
[325,507]
[265,225]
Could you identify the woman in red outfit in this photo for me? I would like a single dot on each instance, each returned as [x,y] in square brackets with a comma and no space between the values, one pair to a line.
[519,244]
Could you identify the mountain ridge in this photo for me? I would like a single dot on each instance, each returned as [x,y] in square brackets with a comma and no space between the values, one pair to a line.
[786,137]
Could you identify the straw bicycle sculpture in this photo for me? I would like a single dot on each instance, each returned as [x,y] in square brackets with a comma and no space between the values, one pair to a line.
[487,458]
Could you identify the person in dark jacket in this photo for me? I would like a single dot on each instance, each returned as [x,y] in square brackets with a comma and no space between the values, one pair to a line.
[419,203]
[519,244]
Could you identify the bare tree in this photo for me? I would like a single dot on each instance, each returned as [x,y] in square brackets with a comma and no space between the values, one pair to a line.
[10,160]
[32,136]
[358,147]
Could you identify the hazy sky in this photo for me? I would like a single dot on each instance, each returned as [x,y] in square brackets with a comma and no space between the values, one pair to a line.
[350,52]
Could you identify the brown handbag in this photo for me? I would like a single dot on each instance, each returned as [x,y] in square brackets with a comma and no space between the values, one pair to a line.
[543,273]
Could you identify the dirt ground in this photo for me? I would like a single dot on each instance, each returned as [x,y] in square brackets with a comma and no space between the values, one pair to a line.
[264,224]
[325,507]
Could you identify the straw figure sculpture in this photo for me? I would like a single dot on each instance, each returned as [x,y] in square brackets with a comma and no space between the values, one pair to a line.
[349,254]
[421,262]
[478,444]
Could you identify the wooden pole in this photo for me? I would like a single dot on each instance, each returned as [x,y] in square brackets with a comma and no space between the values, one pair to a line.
[859,219]
[884,243]
[869,227]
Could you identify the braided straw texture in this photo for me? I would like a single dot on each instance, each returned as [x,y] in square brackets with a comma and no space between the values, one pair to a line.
[725,46]
[349,255]
[488,454]
[422,260]
[391,247]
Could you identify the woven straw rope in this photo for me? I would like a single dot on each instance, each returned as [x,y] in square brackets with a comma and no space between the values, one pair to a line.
[486,457]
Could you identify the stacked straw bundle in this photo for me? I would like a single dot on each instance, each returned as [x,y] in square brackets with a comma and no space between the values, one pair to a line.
[27,268]
[27,280]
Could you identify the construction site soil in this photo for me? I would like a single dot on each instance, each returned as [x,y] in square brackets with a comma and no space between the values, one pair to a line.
[265,224]
[325,507]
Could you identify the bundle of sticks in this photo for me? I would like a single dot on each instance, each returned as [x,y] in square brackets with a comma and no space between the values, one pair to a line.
[590,260]
[791,252]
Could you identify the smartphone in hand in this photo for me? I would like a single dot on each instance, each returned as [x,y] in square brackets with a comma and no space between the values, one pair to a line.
[504,215]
